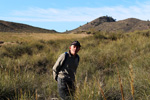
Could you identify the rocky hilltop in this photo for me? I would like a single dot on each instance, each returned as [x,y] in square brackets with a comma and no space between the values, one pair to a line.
[108,24]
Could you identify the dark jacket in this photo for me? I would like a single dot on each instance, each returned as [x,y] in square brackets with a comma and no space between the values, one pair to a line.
[65,67]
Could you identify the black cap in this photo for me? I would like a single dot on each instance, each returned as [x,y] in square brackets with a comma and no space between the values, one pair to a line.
[76,43]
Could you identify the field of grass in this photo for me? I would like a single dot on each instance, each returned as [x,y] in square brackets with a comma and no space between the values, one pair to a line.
[28,37]
[113,66]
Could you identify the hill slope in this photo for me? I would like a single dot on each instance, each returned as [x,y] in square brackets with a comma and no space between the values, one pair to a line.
[108,24]
[6,26]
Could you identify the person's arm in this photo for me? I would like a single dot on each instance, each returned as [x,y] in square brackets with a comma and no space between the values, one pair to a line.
[57,66]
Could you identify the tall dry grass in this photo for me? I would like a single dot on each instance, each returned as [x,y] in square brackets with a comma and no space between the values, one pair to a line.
[131,80]
[26,67]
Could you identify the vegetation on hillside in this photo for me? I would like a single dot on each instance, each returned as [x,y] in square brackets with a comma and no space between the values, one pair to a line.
[6,26]
[112,66]
[109,24]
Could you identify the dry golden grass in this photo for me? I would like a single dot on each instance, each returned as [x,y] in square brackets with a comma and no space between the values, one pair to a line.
[120,82]
[21,64]
[21,37]
[131,80]
[102,92]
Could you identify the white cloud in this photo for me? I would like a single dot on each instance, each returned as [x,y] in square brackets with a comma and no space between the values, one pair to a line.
[140,11]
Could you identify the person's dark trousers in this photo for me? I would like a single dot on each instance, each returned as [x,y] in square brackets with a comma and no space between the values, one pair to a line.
[66,89]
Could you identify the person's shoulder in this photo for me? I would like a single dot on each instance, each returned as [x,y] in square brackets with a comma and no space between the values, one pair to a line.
[77,56]
[62,55]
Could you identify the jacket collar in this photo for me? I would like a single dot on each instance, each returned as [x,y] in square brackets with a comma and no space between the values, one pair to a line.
[71,54]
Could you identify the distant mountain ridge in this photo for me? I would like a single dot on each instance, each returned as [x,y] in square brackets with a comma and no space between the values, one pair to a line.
[108,24]
[6,26]
[103,24]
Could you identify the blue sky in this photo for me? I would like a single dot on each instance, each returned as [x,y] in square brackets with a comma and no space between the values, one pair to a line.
[62,15]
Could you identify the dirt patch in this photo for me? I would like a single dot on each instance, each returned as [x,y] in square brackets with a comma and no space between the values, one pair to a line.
[1,42]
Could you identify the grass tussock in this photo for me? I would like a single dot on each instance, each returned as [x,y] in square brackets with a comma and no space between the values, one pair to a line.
[26,67]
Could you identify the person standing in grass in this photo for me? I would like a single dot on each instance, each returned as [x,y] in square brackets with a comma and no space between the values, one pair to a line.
[64,71]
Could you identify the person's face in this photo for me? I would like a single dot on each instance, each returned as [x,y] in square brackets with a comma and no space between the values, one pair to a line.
[74,49]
